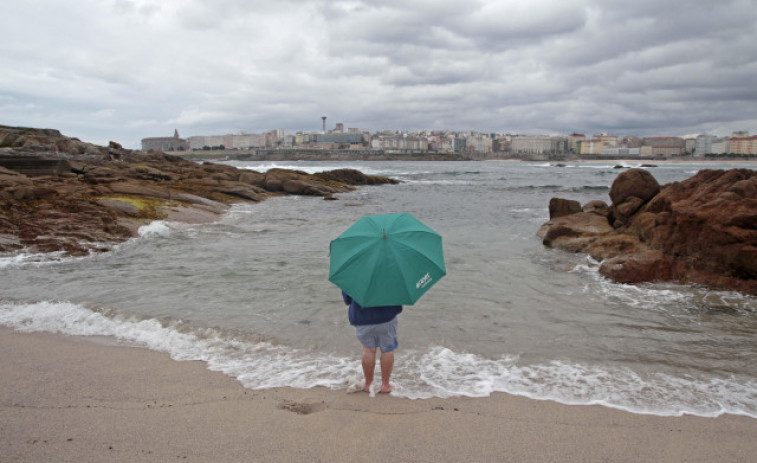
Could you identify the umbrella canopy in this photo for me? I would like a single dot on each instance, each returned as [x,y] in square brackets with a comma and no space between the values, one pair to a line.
[389,259]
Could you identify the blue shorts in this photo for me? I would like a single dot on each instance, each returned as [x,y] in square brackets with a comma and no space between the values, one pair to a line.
[383,335]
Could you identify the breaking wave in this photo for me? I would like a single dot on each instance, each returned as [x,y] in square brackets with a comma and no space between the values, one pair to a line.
[437,372]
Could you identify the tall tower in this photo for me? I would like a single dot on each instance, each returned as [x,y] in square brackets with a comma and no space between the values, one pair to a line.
[324,123]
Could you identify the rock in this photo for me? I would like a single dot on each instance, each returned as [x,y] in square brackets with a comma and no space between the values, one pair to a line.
[240,190]
[702,230]
[596,207]
[559,207]
[648,265]
[353,177]
[321,184]
[121,207]
[75,198]
[251,177]
[630,190]
[11,177]
[634,182]
[34,166]
[578,225]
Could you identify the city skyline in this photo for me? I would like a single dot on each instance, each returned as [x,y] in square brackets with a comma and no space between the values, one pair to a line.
[471,143]
[124,70]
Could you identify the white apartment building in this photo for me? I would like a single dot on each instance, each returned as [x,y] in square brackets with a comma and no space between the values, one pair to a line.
[537,144]
[703,145]
[243,141]
[478,143]
[399,143]
[721,146]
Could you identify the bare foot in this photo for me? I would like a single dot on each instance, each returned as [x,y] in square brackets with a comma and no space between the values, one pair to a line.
[386,389]
[367,388]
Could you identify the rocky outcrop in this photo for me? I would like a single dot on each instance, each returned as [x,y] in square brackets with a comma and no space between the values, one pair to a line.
[59,194]
[702,230]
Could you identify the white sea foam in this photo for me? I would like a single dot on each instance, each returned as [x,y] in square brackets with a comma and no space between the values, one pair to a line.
[659,297]
[154,228]
[440,182]
[36,258]
[438,372]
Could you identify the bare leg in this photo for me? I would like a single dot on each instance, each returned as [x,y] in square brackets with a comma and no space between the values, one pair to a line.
[387,363]
[369,364]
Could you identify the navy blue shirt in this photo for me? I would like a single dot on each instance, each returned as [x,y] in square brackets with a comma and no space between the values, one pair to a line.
[370,315]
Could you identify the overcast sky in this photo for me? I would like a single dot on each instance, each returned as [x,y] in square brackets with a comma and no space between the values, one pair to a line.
[123,70]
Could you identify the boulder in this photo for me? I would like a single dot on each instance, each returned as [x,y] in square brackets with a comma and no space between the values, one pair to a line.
[647,265]
[630,190]
[559,207]
[634,182]
[702,230]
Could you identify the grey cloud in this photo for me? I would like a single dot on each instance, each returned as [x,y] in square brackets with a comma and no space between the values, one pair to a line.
[127,69]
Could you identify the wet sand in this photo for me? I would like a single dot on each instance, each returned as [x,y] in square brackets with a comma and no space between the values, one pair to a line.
[87,400]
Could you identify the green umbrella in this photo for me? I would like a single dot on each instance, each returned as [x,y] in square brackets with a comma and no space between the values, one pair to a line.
[389,259]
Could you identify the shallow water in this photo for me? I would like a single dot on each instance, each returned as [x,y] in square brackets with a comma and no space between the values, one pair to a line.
[250,295]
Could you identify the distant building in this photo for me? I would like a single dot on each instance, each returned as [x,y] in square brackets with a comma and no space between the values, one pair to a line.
[538,144]
[744,145]
[399,143]
[631,141]
[607,140]
[459,144]
[342,138]
[478,143]
[211,141]
[574,142]
[591,147]
[165,143]
[653,151]
[703,145]
[673,142]
[621,152]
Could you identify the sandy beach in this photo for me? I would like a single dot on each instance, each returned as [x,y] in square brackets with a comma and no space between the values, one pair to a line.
[88,400]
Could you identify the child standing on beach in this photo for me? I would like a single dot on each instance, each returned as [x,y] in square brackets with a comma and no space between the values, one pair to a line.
[375,328]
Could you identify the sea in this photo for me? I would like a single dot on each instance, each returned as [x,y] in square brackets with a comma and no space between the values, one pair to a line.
[249,295]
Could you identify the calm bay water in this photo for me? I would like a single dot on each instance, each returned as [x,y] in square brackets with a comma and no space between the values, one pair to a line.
[250,295]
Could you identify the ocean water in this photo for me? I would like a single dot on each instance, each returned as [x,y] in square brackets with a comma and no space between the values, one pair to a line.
[250,296]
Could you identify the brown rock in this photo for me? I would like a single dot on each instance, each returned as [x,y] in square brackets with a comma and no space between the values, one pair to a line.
[634,182]
[578,224]
[630,190]
[353,177]
[76,197]
[650,265]
[559,207]
[702,230]
[252,178]
[9,178]
[596,207]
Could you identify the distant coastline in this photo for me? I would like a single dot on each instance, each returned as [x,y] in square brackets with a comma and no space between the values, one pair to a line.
[359,155]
